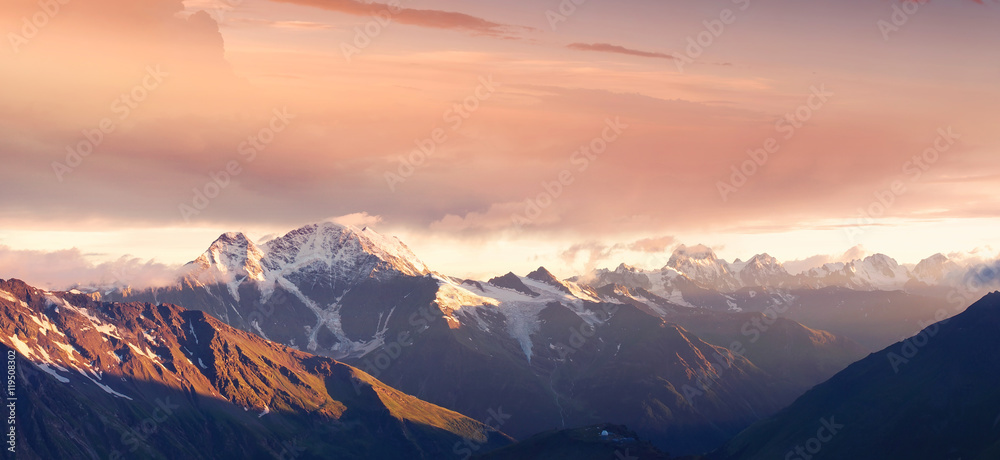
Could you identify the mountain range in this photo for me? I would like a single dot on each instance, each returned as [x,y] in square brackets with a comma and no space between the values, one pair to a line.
[700,266]
[874,301]
[553,353]
[686,356]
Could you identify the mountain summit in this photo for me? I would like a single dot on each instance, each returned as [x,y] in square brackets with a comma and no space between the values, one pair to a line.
[700,263]
[343,251]
[294,289]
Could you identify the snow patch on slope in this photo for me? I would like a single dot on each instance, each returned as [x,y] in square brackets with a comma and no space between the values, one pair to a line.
[520,310]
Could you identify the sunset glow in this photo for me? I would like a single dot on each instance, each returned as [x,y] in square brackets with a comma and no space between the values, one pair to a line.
[496,136]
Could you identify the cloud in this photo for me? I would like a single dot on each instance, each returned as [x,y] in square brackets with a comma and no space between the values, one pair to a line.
[435,19]
[358,219]
[855,253]
[301,25]
[977,256]
[353,123]
[609,48]
[499,216]
[65,269]
[157,30]
[653,245]
[595,252]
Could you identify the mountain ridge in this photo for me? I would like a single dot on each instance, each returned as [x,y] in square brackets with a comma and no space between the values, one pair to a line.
[934,395]
[114,360]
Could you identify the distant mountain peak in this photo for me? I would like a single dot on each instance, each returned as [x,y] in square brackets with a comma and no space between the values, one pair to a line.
[325,242]
[542,274]
[762,270]
[233,253]
[936,258]
[698,252]
[763,259]
[625,268]
[545,276]
[513,282]
[700,263]
[881,259]
[935,268]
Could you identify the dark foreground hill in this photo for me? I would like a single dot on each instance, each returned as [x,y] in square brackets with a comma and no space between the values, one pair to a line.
[933,396]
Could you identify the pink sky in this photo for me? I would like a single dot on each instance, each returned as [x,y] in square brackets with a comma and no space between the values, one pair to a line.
[350,104]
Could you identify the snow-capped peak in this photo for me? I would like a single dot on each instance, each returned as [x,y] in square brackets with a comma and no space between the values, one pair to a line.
[233,254]
[935,269]
[701,264]
[333,244]
[762,270]
[881,260]
[337,244]
[626,268]
[696,252]
[391,249]
[344,251]
[877,271]
[763,260]
[762,265]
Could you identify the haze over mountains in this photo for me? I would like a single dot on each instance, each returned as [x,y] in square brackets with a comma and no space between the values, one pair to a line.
[876,272]
[235,256]
[355,295]
[686,356]
[539,347]
[325,267]
[875,300]
[931,396]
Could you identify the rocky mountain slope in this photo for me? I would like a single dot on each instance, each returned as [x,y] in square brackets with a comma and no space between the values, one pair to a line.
[137,380]
[931,396]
